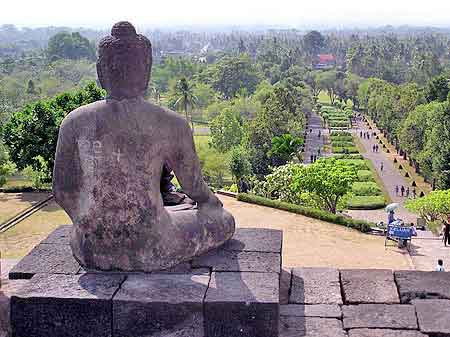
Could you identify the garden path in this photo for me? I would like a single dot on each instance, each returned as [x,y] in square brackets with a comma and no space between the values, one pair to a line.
[426,248]
[313,142]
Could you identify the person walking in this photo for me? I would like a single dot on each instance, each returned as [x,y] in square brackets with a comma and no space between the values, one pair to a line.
[407,192]
[396,190]
[318,152]
[319,134]
[381,167]
[312,158]
[402,190]
[376,148]
[446,232]
[414,193]
[360,134]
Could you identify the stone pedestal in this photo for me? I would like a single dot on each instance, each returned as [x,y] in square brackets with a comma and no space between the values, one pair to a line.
[232,291]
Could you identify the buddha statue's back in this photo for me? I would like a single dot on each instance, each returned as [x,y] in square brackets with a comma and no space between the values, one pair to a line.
[108,168]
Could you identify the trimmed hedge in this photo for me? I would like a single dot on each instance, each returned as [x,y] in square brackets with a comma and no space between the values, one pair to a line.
[340,133]
[360,164]
[366,189]
[361,225]
[336,138]
[347,149]
[365,175]
[348,156]
[367,202]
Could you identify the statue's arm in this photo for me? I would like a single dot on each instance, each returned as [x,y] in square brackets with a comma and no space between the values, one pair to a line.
[186,166]
[64,175]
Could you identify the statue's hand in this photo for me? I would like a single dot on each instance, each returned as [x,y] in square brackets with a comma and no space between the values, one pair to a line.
[212,204]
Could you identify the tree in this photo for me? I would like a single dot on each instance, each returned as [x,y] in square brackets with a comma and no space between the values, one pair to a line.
[185,98]
[437,89]
[6,167]
[284,148]
[33,131]
[313,42]
[432,207]
[328,80]
[226,130]
[70,46]
[330,179]
[231,74]
[239,164]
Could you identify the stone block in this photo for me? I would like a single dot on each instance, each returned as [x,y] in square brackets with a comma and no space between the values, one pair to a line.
[310,327]
[311,310]
[224,260]
[433,316]
[315,286]
[65,305]
[160,305]
[60,235]
[8,288]
[256,240]
[384,333]
[385,316]
[46,258]
[242,304]
[422,285]
[369,286]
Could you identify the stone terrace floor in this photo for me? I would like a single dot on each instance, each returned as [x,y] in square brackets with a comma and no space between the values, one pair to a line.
[323,302]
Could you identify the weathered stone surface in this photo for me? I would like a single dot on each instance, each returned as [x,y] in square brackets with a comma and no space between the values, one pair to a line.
[422,285]
[433,316]
[384,333]
[60,235]
[64,305]
[394,316]
[242,304]
[224,260]
[160,305]
[46,258]
[108,167]
[315,286]
[285,285]
[256,240]
[311,310]
[8,289]
[310,327]
[369,286]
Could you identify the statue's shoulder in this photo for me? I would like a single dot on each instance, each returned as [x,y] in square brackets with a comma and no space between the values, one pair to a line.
[173,118]
[84,112]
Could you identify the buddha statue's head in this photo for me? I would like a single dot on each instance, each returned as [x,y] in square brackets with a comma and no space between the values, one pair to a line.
[124,62]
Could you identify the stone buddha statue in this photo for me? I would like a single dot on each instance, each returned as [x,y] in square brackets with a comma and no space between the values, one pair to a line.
[108,166]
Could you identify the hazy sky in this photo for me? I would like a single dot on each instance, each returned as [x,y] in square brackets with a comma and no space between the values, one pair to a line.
[297,13]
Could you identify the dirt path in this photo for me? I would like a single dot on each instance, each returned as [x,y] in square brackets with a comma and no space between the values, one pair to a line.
[426,248]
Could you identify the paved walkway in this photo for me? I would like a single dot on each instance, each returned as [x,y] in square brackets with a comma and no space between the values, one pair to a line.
[314,142]
[426,248]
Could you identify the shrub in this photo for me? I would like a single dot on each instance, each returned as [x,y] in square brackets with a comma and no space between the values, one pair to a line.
[348,156]
[366,202]
[360,225]
[359,164]
[365,175]
[348,149]
[341,138]
[366,189]
[41,175]
[340,133]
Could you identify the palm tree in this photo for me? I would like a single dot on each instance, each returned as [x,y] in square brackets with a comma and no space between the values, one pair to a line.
[185,98]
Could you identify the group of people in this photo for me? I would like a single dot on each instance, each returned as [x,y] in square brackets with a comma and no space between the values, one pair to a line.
[314,157]
[405,192]
[375,148]
[365,135]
